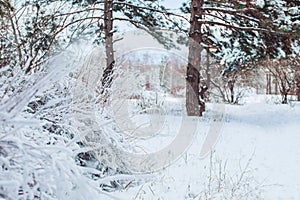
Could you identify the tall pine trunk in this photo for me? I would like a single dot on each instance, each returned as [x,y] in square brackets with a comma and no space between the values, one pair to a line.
[109,48]
[193,105]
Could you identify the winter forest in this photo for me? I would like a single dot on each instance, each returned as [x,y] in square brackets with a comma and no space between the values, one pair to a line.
[154,99]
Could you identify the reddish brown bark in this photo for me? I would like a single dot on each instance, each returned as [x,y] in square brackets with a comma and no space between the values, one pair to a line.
[193,104]
[109,49]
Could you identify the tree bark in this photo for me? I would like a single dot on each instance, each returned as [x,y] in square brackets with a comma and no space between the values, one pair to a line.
[298,85]
[202,102]
[284,98]
[284,94]
[208,75]
[109,48]
[298,93]
[270,84]
[276,86]
[231,89]
[193,104]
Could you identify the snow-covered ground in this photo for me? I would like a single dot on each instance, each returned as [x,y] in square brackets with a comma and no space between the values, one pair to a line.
[257,156]
[271,132]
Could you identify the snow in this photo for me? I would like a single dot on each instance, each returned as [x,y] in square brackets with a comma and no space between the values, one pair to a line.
[260,3]
[255,151]
[271,131]
[255,155]
[261,137]
[153,150]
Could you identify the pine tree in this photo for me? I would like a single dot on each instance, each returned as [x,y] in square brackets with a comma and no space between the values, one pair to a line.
[32,32]
[243,31]
[193,104]
[149,16]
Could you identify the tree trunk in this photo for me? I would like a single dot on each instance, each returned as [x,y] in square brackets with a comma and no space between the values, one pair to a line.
[284,94]
[298,85]
[109,48]
[284,98]
[208,75]
[193,104]
[231,89]
[298,93]
[202,102]
[269,84]
[276,87]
